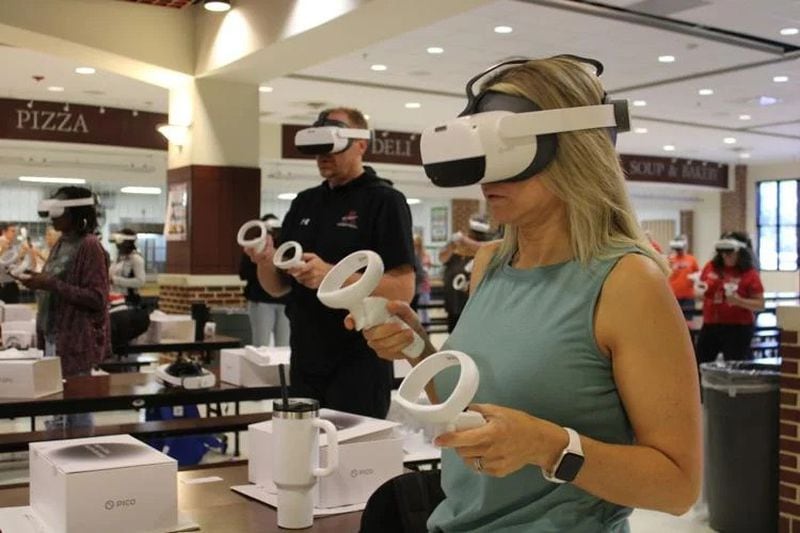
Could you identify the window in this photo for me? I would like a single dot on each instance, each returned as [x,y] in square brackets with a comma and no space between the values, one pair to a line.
[778,224]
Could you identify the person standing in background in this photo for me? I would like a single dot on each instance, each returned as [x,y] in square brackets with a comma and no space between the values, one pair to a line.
[127,273]
[682,266]
[9,255]
[422,279]
[733,293]
[39,255]
[267,313]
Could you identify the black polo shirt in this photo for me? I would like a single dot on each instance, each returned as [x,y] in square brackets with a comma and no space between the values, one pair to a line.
[367,213]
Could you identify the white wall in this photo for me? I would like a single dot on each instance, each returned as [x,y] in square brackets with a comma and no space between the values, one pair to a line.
[773,281]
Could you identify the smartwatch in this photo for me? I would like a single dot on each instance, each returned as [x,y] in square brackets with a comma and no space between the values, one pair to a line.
[570,461]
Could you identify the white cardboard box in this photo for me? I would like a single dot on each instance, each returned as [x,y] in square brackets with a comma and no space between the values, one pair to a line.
[237,369]
[370,453]
[30,378]
[19,333]
[167,327]
[116,484]
[15,312]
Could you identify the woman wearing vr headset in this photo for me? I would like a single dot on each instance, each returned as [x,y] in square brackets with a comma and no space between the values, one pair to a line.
[732,291]
[587,380]
[72,289]
[127,272]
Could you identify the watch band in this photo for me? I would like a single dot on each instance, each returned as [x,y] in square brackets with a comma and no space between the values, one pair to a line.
[573,448]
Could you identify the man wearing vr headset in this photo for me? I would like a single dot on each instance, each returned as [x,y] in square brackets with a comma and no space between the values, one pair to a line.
[587,375]
[127,272]
[733,292]
[353,209]
[683,265]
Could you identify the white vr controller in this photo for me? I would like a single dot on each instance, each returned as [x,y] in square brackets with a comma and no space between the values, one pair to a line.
[700,287]
[258,243]
[205,381]
[449,415]
[367,311]
[22,270]
[461,281]
[288,255]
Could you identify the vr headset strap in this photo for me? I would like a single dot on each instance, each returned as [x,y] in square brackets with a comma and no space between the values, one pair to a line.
[557,120]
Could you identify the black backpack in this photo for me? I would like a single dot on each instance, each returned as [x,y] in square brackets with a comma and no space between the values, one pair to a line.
[403,504]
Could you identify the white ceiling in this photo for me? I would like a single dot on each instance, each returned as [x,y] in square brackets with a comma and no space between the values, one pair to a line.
[674,114]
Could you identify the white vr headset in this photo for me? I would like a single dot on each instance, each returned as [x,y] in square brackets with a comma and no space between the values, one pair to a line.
[729,245]
[54,207]
[677,244]
[119,238]
[501,137]
[204,381]
[479,226]
[328,136]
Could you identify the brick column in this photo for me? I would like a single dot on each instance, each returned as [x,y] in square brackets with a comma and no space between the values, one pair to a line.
[177,292]
[789,445]
[462,210]
[687,228]
[733,204]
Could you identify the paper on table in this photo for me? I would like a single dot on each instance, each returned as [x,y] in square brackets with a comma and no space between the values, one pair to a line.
[270,498]
[24,520]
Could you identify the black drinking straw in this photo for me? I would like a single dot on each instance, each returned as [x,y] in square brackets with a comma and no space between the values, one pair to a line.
[284,388]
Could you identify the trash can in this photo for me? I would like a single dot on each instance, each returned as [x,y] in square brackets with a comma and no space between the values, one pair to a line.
[233,322]
[741,399]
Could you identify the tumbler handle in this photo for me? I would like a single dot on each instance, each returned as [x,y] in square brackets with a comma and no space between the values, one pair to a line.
[333,447]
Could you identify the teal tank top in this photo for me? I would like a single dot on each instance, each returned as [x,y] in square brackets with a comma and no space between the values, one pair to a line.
[531,335]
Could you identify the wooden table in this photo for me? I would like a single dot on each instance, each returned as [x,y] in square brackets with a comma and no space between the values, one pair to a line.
[216,508]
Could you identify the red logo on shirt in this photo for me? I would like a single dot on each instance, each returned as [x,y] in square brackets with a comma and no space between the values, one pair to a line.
[350,220]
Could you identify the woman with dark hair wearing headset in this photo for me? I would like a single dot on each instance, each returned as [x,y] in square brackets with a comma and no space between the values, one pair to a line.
[731,292]
[72,289]
[127,273]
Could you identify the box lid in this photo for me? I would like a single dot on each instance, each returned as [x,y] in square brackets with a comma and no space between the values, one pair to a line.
[348,425]
[98,453]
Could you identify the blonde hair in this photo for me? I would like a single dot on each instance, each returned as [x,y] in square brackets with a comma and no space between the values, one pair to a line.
[585,173]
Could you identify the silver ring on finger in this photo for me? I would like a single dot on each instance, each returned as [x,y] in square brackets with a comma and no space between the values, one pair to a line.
[478,464]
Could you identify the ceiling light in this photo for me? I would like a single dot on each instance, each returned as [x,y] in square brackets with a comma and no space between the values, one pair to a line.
[639,130]
[639,103]
[666,59]
[744,155]
[705,92]
[287,196]
[669,148]
[767,100]
[435,50]
[790,31]
[141,190]
[413,201]
[780,79]
[175,133]
[48,179]
[265,89]
[503,29]
[378,67]
[413,105]
[55,89]
[217,6]
[745,117]
[85,70]
[29,105]
[729,140]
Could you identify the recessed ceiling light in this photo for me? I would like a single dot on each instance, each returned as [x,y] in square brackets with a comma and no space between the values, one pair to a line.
[744,155]
[669,148]
[503,29]
[435,50]
[85,70]
[265,89]
[639,130]
[767,100]
[705,92]
[729,140]
[666,59]
[413,105]
[378,68]
[413,201]
[140,190]
[55,89]
[48,179]
[287,196]
[780,79]
[790,31]
[639,103]
[217,6]
[745,117]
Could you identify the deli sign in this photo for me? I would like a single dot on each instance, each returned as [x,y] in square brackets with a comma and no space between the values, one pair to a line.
[57,122]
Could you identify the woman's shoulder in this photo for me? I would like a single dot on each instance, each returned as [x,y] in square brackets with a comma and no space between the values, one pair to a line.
[635,276]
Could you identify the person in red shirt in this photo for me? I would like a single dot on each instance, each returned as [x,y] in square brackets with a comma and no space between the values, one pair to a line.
[683,265]
[732,292]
